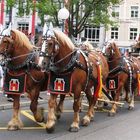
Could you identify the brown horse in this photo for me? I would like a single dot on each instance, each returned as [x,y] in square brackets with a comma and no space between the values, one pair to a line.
[125,71]
[20,57]
[98,58]
[63,58]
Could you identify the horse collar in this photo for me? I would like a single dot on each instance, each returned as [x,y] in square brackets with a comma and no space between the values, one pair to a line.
[69,67]
[29,60]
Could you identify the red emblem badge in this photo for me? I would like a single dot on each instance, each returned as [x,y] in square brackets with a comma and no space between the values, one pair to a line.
[59,84]
[14,85]
[112,84]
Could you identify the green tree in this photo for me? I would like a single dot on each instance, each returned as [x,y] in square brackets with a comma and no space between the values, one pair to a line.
[23,6]
[82,12]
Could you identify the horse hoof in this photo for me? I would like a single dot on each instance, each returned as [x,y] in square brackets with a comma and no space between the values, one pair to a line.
[13,128]
[58,116]
[85,122]
[73,129]
[50,130]
[111,114]
[105,104]
[130,108]
[92,119]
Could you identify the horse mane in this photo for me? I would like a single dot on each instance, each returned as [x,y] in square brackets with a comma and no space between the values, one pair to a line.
[22,40]
[63,39]
[88,45]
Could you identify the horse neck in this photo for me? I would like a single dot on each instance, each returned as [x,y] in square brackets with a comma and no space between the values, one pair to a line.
[19,55]
[62,55]
[114,61]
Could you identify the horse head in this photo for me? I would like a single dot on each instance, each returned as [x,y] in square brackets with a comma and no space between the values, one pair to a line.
[6,43]
[112,51]
[16,39]
[14,46]
[49,48]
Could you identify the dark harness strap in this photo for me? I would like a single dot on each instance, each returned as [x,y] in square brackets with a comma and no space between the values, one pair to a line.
[27,64]
[119,68]
[73,63]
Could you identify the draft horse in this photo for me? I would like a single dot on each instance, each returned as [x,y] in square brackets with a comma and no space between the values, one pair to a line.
[125,72]
[99,57]
[20,57]
[63,58]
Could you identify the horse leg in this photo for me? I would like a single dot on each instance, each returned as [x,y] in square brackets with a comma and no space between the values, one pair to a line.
[15,123]
[38,112]
[131,105]
[133,88]
[90,114]
[127,97]
[113,110]
[76,107]
[59,108]
[130,99]
[51,113]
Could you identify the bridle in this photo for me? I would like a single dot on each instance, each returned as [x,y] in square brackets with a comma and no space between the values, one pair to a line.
[7,58]
[5,55]
[109,51]
[55,44]
[53,64]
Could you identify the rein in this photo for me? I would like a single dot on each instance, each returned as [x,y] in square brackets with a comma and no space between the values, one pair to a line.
[29,60]
[71,64]
[19,56]
[59,61]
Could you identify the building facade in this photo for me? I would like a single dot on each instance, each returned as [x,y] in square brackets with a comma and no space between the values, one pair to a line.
[126,15]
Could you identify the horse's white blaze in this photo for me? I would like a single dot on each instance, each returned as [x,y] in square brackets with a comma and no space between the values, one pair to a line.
[42,57]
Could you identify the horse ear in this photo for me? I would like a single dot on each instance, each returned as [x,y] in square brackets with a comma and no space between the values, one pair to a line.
[13,35]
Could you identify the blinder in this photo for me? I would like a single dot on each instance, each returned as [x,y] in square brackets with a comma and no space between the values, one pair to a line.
[8,46]
[52,46]
[45,52]
[109,51]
